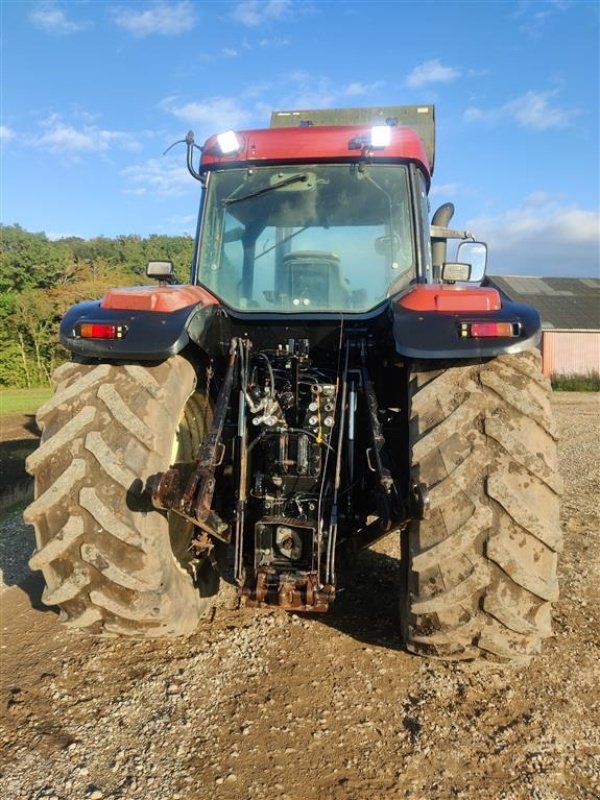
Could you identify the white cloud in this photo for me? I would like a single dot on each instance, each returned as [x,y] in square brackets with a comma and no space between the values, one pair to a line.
[542,236]
[533,16]
[159,178]
[66,139]
[274,43]
[432,71]
[182,225]
[309,91]
[216,113]
[48,17]
[302,90]
[166,19]
[531,110]
[54,236]
[6,133]
[253,13]
[358,89]
[445,190]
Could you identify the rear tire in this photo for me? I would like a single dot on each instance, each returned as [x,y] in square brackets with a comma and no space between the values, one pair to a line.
[107,556]
[480,571]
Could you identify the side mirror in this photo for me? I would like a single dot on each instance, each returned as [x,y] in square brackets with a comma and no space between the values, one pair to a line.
[160,270]
[470,264]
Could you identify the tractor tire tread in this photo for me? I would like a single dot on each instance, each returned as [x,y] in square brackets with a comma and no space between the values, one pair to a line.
[105,553]
[481,568]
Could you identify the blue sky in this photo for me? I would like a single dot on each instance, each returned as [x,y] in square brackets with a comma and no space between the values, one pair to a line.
[94,92]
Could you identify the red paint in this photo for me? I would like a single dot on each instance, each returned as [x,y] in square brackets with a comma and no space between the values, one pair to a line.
[156,298]
[428,297]
[318,143]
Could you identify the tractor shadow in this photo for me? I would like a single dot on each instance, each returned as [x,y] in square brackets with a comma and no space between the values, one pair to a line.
[19,437]
[33,586]
[16,485]
[31,425]
[366,605]
[17,539]
[17,543]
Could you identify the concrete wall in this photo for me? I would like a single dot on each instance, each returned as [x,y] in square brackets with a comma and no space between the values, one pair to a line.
[570,352]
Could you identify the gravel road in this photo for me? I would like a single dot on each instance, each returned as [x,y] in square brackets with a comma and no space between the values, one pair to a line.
[274,706]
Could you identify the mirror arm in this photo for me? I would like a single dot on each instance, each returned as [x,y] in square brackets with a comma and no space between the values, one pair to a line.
[438,232]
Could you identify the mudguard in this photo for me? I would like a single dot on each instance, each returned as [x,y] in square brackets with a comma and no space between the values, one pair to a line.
[153,322]
[429,323]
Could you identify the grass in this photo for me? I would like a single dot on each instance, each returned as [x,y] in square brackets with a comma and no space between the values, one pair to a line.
[576,383]
[22,401]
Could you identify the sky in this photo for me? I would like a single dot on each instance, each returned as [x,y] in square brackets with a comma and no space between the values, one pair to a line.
[94,92]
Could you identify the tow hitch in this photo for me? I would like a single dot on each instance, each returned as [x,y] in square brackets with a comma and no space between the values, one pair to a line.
[195,500]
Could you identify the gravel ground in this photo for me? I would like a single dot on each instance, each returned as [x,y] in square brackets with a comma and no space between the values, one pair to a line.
[276,706]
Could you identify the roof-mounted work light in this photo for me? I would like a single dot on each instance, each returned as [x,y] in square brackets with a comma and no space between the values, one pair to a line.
[379,137]
[228,142]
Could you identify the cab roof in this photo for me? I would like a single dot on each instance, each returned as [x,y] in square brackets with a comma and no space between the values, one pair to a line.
[316,144]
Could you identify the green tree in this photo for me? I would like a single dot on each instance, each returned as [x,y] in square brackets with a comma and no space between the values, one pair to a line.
[40,279]
[29,260]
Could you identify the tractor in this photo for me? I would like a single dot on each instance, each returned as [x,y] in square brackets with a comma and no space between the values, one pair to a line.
[326,378]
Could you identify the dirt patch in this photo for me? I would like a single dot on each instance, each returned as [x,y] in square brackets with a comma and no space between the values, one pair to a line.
[276,706]
[16,427]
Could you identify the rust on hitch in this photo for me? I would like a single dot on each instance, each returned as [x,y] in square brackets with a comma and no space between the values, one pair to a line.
[165,491]
[166,495]
[289,592]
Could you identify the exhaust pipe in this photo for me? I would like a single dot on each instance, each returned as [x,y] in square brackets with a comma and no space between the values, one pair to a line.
[439,247]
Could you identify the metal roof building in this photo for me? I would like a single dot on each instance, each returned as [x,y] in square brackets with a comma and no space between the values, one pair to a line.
[565,303]
[570,312]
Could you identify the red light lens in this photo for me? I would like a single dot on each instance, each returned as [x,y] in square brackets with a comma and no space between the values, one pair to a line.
[485,330]
[100,330]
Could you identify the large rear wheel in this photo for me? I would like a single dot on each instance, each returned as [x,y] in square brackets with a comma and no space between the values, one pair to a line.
[480,571]
[111,562]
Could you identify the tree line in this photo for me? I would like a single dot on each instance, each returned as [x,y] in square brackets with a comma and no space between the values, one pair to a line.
[40,279]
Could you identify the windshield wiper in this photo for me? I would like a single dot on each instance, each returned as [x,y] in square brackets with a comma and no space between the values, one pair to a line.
[279,185]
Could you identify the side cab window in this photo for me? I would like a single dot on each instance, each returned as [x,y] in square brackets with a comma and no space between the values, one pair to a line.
[423,203]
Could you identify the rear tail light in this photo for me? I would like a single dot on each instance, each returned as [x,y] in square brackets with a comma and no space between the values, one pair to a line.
[490,330]
[100,330]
